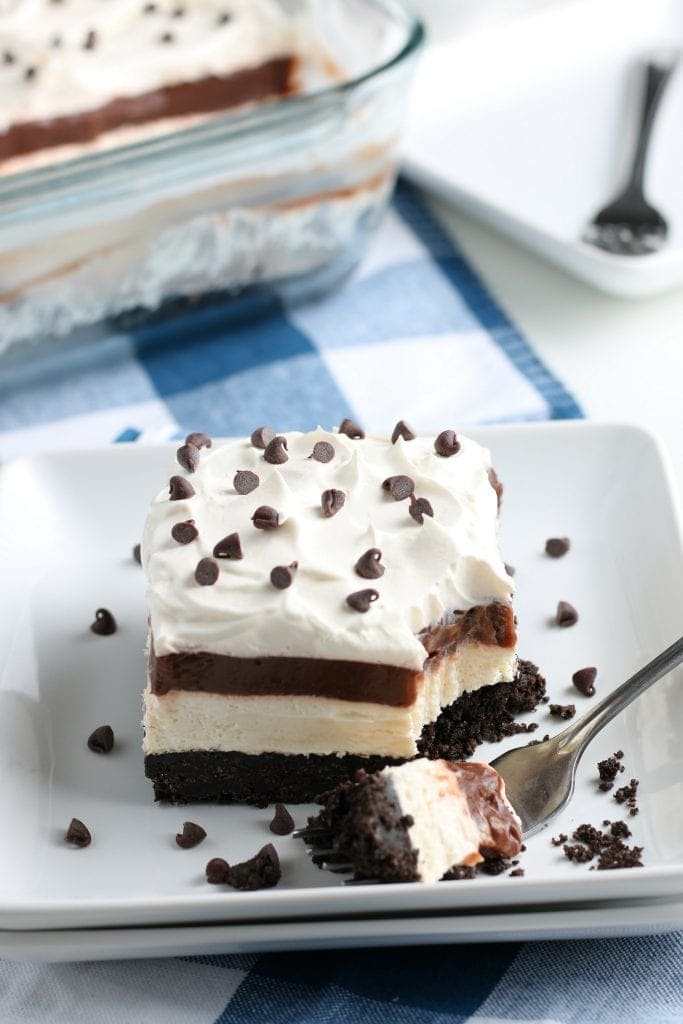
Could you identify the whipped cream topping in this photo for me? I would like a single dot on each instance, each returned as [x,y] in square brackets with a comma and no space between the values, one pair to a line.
[62,57]
[449,563]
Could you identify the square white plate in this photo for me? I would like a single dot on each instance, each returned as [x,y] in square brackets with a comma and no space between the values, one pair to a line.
[67,525]
[529,125]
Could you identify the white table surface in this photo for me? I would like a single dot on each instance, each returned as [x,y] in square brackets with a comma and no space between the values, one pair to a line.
[622,359]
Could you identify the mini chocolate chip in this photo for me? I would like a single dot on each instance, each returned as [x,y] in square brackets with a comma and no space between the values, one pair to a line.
[8,57]
[167,37]
[265,518]
[509,569]
[244,481]
[224,18]
[78,834]
[137,554]
[90,40]
[191,835]
[557,546]
[262,437]
[199,440]
[283,822]
[351,430]
[178,12]
[402,430]
[262,871]
[30,73]
[282,576]
[217,871]
[184,533]
[188,457]
[206,572]
[104,624]
[361,600]
[149,8]
[419,508]
[566,614]
[447,443]
[369,566]
[399,487]
[229,547]
[101,740]
[276,451]
[584,680]
[179,488]
[322,451]
[332,501]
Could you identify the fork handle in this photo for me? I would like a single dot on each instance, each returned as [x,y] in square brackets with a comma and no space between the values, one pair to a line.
[656,77]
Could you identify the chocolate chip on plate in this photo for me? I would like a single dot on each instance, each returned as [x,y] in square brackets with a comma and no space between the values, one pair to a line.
[244,481]
[323,451]
[402,429]
[188,457]
[509,569]
[369,566]
[361,600]
[282,576]
[137,556]
[101,740]
[262,871]
[399,487]
[566,614]
[104,624]
[206,572]
[78,834]
[419,508]
[276,451]
[556,547]
[283,822]
[584,680]
[351,430]
[229,547]
[191,835]
[179,488]
[262,437]
[447,444]
[217,871]
[332,501]
[265,518]
[184,533]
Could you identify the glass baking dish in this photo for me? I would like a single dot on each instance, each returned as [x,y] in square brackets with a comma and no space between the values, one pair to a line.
[284,194]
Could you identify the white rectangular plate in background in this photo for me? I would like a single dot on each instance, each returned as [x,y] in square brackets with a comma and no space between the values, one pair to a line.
[68,522]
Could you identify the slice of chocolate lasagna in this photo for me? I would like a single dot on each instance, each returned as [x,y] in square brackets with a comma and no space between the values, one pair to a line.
[321,603]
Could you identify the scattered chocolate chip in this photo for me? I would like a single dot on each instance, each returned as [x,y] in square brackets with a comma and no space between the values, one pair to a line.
[137,554]
[217,871]
[322,451]
[419,508]
[179,488]
[265,518]
[262,871]
[369,566]
[332,501]
[556,547]
[399,487]
[584,679]
[447,444]
[566,614]
[191,835]
[184,533]
[104,624]
[8,57]
[276,451]
[351,430]
[563,711]
[206,572]
[262,437]
[244,481]
[78,834]
[402,430]
[101,740]
[30,73]
[199,440]
[282,576]
[188,457]
[90,41]
[361,600]
[229,547]
[283,822]
[166,37]
[509,569]
[178,12]
[149,8]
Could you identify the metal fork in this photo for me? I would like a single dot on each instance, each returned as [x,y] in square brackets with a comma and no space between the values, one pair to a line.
[539,780]
[629,225]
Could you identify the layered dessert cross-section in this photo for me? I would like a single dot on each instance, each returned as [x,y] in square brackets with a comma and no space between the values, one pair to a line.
[320,603]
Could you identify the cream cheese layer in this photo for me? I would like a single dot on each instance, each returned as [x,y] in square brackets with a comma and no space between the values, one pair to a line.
[449,562]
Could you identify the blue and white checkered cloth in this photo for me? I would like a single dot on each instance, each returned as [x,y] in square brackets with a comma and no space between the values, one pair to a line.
[412,334]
